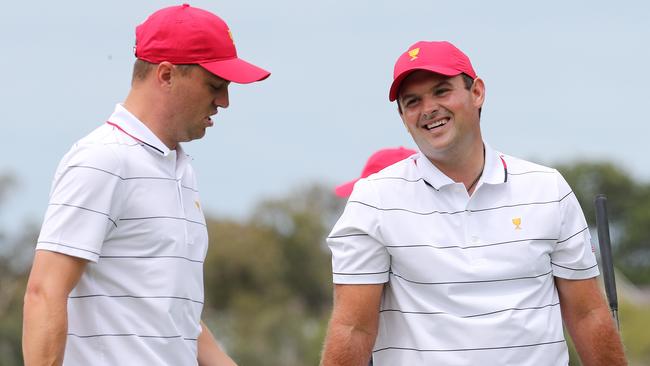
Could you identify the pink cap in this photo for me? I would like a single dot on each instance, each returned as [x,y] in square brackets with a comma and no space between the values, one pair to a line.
[376,162]
[439,57]
[187,35]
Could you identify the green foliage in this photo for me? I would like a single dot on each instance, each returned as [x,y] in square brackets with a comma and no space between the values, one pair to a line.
[635,322]
[268,280]
[13,279]
[628,206]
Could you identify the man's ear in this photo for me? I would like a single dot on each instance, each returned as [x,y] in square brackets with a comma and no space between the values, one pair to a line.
[164,74]
[478,92]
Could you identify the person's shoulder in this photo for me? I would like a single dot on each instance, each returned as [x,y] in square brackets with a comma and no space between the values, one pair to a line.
[387,181]
[530,175]
[100,149]
[520,166]
[403,169]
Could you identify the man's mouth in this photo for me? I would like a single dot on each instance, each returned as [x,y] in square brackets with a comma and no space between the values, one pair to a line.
[435,124]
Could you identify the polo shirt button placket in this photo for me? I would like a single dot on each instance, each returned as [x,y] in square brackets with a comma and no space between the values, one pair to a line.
[181,206]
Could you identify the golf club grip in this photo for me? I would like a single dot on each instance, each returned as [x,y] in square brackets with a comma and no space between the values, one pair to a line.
[604,243]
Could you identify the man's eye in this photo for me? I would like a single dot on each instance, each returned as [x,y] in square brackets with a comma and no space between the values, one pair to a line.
[409,102]
[441,91]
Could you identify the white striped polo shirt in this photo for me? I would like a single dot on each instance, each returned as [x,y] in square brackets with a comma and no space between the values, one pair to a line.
[126,203]
[469,280]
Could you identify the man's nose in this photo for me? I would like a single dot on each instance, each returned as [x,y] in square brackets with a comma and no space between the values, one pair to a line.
[222,100]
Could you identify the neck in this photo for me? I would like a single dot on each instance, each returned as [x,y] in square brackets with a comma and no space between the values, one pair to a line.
[464,168]
[150,113]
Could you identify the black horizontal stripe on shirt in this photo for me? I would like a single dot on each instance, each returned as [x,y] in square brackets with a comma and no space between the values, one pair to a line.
[477,281]
[469,316]
[126,335]
[521,204]
[347,235]
[562,241]
[86,209]
[135,297]
[406,210]
[467,349]
[121,144]
[359,273]
[396,178]
[190,188]
[532,171]
[461,211]
[124,178]
[67,246]
[148,257]
[574,269]
[467,247]
[161,217]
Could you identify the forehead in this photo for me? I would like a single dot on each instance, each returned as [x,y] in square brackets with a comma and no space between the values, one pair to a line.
[423,78]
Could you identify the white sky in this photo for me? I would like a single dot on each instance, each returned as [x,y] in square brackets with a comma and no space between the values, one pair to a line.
[565,80]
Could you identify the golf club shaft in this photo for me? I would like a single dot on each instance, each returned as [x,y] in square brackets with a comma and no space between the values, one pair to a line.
[607,262]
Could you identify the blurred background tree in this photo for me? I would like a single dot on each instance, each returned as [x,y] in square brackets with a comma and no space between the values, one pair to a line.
[268,279]
[628,206]
[15,259]
[268,290]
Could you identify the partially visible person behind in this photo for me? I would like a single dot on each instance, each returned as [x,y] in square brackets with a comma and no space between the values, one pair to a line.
[379,160]
[117,277]
[460,254]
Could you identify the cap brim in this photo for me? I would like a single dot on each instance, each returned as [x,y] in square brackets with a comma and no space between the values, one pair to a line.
[236,70]
[394,87]
[345,189]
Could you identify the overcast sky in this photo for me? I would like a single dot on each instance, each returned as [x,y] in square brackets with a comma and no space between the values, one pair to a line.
[565,80]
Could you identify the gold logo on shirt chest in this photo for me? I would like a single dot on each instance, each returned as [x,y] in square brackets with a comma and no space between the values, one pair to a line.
[517,222]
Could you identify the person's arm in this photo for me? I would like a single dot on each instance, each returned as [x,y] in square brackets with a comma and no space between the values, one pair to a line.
[45,310]
[210,354]
[353,327]
[590,323]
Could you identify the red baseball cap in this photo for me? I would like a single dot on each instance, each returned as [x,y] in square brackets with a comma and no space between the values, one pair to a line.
[439,57]
[187,35]
[376,162]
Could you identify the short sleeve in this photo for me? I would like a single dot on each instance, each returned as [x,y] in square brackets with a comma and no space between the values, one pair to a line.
[573,256]
[358,254]
[83,202]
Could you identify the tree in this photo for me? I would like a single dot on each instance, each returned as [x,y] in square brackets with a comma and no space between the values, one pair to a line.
[628,204]
[268,279]
[15,257]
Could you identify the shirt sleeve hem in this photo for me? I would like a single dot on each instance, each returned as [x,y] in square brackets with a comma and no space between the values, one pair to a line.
[359,279]
[73,252]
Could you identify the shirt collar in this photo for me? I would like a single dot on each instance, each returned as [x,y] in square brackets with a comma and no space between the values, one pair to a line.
[129,124]
[494,171]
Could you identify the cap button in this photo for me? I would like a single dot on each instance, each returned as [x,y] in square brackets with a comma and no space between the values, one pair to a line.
[186,5]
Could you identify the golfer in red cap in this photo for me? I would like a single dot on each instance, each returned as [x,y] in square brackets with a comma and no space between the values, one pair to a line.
[460,254]
[117,277]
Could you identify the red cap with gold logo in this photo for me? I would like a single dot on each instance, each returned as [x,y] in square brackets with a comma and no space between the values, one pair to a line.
[187,35]
[439,57]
